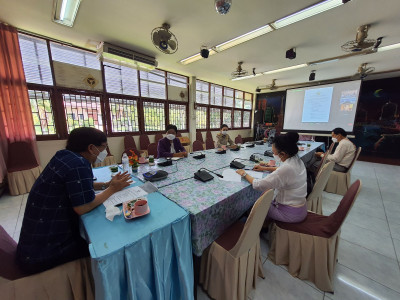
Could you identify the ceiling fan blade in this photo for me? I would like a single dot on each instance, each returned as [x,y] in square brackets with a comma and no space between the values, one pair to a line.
[172,44]
[156,38]
[165,35]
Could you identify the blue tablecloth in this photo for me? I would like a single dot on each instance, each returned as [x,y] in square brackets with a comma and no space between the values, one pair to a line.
[146,258]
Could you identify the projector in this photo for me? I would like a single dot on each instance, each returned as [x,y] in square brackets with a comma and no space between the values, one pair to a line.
[204,53]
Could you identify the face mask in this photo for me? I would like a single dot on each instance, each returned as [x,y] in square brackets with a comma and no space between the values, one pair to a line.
[101,156]
[224,132]
[170,137]
[334,140]
[277,158]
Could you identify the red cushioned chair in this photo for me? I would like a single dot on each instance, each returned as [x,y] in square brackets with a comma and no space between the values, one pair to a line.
[238,139]
[8,253]
[144,141]
[208,135]
[158,137]
[210,144]
[199,137]
[310,248]
[22,168]
[197,146]
[152,149]
[129,142]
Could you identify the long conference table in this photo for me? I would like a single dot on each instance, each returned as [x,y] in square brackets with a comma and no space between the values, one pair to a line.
[151,257]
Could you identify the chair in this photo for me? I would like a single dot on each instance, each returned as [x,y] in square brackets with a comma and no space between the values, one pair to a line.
[199,137]
[339,182]
[210,144]
[323,160]
[229,267]
[108,161]
[303,137]
[314,199]
[72,280]
[158,137]
[209,135]
[129,142]
[22,168]
[197,146]
[144,141]
[178,134]
[310,248]
[152,149]
[238,139]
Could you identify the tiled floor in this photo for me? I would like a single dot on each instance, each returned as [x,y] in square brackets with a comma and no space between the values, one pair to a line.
[369,251]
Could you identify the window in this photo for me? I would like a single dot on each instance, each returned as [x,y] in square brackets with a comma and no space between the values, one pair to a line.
[177,80]
[215,118]
[202,92]
[237,119]
[216,95]
[35,59]
[227,117]
[177,116]
[74,56]
[228,97]
[201,117]
[247,101]
[246,119]
[124,115]
[82,110]
[238,99]
[152,84]
[42,112]
[121,80]
[154,116]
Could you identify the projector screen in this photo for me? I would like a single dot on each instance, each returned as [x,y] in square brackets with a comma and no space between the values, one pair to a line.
[322,108]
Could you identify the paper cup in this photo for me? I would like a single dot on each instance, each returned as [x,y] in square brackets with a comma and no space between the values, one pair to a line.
[141,207]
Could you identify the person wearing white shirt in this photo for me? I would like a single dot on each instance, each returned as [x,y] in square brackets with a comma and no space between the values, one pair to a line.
[344,153]
[289,181]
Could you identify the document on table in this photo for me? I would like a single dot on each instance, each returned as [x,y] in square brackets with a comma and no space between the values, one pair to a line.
[124,195]
[231,175]
[254,174]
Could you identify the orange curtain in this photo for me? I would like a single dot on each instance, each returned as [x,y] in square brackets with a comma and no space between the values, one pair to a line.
[16,122]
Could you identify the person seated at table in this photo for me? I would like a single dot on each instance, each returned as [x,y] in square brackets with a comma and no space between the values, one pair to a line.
[343,155]
[171,146]
[50,233]
[271,167]
[223,138]
[289,182]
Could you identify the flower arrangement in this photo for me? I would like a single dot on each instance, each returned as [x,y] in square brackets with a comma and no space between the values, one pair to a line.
[133,160]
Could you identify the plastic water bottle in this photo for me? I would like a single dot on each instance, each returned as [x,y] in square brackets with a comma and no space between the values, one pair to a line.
[125,163]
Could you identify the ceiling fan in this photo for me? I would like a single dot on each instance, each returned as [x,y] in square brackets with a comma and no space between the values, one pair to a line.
[361,42]
[271,86]
[239,71]
[363,71]
[164,40]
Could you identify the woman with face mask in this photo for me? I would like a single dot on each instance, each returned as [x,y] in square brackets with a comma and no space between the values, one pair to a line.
[50,233]
[171,146]
[223,138]
[289,182]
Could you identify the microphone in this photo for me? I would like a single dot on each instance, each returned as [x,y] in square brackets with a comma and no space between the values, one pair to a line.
[219,175]
[253,158]
[201,155]
[237,165]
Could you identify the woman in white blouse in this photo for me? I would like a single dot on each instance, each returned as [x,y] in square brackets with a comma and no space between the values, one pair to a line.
[289,182]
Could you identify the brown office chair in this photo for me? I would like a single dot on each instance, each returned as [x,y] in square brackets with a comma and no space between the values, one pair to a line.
[144,141]
[310,248]
[158,137]
[197,146]
[229,267]
[238,139]
[208,135]
[210,144]
[22,168]
[199,137]
[152,149]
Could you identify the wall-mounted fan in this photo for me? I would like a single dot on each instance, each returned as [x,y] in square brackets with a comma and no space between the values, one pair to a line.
[239,71]
[271,86]
[363,71]
[361,42]
[164,40]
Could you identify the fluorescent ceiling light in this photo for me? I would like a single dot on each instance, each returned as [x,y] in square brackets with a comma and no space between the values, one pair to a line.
[64,11]
[389,47]
[285,69]
[322,62]
[195,57]
[307,12]
[247,77]
[243,38]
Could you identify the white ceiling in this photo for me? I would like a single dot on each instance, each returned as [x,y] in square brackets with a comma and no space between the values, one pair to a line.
[128,23]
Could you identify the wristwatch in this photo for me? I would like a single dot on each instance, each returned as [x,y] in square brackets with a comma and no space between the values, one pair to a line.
[322,155]
[104,186]
[244,174]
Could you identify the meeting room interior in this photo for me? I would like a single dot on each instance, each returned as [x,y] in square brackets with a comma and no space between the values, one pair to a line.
[215,149]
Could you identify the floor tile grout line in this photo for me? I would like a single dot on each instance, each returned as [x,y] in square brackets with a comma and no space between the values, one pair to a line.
[361,274]
[390,231]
